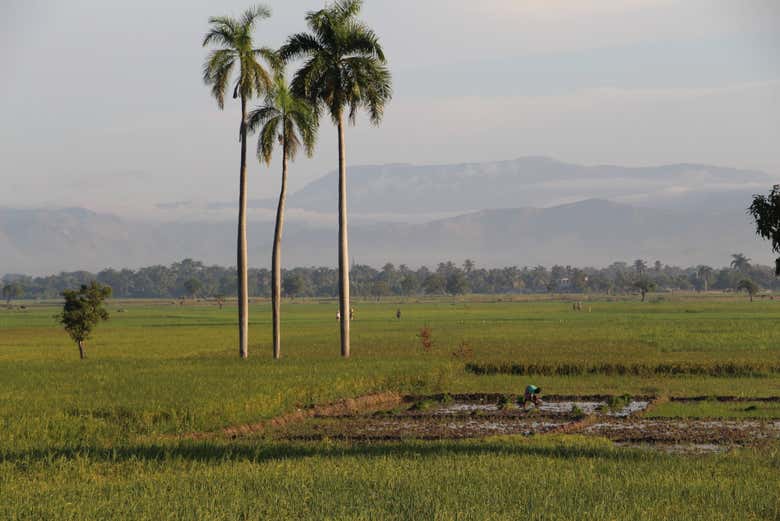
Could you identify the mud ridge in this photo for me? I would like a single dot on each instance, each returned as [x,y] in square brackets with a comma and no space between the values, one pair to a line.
[494,397]
[348,406]
[725,399]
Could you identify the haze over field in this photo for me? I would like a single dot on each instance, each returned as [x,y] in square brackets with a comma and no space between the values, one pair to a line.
[680,214]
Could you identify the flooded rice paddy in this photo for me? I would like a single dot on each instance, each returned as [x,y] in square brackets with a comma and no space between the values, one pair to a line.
[619,419]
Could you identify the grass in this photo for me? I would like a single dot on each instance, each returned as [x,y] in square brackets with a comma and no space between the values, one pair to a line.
[93,439]
[717,409]
[504,479]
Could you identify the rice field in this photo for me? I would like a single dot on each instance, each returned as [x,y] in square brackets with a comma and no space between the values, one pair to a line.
[106,437]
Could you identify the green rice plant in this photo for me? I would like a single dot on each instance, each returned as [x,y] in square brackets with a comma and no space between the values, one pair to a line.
[507,401]
[99,439]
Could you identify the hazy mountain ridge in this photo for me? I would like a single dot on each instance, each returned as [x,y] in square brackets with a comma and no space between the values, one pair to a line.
[528,181]
[591,232]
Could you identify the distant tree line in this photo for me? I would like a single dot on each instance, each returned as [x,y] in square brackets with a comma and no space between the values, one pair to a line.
[191,279]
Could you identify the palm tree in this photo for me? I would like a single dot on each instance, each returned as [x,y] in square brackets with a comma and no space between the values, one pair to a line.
[704,273]
[290,122]
[344,71]
[739,262]
[236,50]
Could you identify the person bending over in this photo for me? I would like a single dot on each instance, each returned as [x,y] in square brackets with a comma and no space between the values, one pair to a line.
[532,393]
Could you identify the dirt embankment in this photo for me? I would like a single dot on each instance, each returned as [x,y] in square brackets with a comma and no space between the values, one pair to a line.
[349,406]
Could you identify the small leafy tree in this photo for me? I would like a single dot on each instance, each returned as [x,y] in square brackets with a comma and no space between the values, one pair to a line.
[82,311]
[192,287]
[644,285]
[749,286]
[434,284]
[456,283]
[294,285]
[380,289]
[409,284]
[765,211]
[12,291]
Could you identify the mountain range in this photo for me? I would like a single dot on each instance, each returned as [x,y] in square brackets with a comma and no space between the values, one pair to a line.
[387,192]
[590,232]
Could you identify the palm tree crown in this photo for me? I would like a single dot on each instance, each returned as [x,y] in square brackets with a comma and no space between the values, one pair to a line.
[285,120]
[345,66]
[739,262]
[234,39]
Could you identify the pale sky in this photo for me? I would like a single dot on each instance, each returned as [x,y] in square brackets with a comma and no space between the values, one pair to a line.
[102,103]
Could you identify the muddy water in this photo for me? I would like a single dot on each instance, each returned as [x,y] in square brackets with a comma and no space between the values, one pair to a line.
[632,408]
[721,432]
[558,407]
[420,427]
[475,417]
[679,448]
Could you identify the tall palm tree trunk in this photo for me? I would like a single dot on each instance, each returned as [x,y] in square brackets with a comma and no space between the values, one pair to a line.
[343,243]
[243,282]
[276,261]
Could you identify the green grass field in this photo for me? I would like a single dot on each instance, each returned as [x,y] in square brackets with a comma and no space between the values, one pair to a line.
[717,409]
[95,439]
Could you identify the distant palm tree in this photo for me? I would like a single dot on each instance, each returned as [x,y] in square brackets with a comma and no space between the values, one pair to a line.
[739,262]
[640,266]
[704,273]
[233,37]
[344,72]
[291,123]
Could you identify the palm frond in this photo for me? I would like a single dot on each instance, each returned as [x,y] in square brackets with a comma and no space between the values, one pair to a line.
[346,9]
[221,35]
[267,139]
[370,86]
[251,15]
[361,40]
[306,123]
[272,58]
[227,21]
[260,116]
[298,46]
[216,73]
[289,138]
